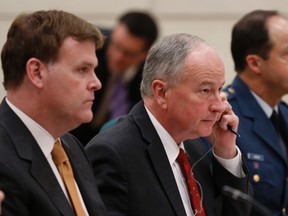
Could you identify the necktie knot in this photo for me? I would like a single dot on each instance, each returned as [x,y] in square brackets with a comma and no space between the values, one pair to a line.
[58,154]
[182,157]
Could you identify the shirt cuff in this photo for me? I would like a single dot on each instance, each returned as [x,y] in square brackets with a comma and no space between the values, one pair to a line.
[233,165]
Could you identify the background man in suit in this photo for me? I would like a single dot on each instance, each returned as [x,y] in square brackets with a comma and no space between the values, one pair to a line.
[260,51]
[48,62]
[135,161]
[120,69]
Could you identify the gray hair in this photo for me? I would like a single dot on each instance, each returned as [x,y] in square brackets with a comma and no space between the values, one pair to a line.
[166,58]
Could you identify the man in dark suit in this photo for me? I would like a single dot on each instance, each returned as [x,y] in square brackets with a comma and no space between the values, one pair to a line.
[260,51]
[48,62]
[135,161]
[120,69]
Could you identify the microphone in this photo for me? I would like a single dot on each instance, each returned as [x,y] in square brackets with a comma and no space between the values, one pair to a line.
[240,196]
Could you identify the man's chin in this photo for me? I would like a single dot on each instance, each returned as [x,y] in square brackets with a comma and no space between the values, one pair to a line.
[207,133]
[87,118]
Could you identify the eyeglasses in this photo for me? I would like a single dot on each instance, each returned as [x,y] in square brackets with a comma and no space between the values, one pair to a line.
[128,53]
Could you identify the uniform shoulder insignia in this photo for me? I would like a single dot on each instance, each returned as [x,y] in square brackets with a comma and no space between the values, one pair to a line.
[230,92]
[284,103]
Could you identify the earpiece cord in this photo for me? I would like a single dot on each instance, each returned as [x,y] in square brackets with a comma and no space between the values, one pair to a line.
[198,183]
[204,155]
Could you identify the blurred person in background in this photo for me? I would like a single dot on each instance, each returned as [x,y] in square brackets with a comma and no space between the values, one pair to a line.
[120,69]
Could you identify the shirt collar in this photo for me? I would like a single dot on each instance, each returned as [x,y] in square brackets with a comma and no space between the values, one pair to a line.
[265,107]
[170,146]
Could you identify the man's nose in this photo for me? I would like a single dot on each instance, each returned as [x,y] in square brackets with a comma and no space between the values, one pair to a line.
[95,84]
[219,103]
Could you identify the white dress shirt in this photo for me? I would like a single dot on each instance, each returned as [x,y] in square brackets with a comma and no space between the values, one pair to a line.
[268,110]
[172,150]
[265,107]
[46,143]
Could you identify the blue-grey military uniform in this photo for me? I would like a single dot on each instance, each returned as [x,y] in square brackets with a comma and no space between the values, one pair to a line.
[266,161]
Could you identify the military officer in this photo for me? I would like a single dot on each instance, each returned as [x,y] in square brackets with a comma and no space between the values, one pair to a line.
[260,51]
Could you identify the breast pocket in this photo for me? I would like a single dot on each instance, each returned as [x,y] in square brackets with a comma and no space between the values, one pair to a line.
[260,171]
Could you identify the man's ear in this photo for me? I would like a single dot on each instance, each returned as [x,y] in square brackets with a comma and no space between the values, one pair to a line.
[254,63]
[34,71]
[159,89]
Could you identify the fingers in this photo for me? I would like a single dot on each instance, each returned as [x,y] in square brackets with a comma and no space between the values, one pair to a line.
[229,107]
[224,99]
[227,117]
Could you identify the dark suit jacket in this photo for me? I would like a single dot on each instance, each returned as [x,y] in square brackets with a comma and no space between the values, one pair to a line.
[85,132]
[265,159]
[27,180]
[135,178]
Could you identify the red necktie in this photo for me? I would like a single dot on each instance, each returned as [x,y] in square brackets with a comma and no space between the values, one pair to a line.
[195,197]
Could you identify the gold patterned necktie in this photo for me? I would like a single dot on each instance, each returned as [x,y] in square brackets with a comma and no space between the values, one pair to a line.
[64,167]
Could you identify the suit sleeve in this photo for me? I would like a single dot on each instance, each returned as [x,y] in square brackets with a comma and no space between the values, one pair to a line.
[110,176]
[222,177]
[16,201]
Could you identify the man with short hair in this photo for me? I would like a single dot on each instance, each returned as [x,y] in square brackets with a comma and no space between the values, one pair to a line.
[141,163]
[48,62]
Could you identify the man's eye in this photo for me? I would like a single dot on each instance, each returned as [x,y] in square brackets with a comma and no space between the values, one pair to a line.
[205,90]
[84,69]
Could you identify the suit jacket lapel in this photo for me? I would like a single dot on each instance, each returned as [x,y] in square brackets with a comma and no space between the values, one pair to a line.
[30,152]
[84,179]
[263,127]
[43,174]
[158,157]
